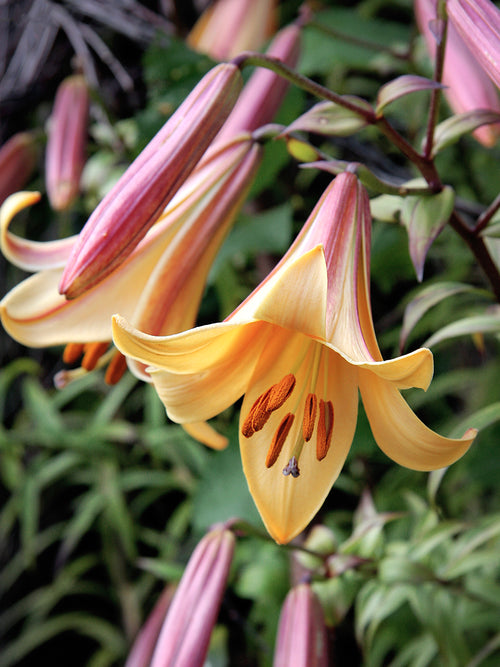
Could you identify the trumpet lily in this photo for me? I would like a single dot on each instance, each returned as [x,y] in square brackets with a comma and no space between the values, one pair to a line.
[468,86]
[298,348]
[159,285]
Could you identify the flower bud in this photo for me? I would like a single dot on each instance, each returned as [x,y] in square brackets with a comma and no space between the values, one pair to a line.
[17,160]
[228,27]
[185,635]
[302,638]
[65,156]
[136,202]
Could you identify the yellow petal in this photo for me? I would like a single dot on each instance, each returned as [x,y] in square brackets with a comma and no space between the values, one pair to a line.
[410,370]
[211,365]
[30,255]
[288,504]
[295,298]
[204,433]
[401,434]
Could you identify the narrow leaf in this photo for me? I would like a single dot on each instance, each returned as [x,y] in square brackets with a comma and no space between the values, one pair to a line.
[403,85]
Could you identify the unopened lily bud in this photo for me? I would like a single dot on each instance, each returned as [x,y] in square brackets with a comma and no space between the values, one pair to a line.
[136,202]
[144,645]
[65,156]
[468,86]
[302,638]
[185,635]
[17,160]
[228,27]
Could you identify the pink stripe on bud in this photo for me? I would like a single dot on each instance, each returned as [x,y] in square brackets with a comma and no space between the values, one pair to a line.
[302,638]
[66,144]
[185,635]
[135,203]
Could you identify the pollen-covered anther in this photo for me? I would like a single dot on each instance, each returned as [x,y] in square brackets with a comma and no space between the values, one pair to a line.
[280,392]
[73,352]
[325,429]
[116,368]
[257,415]
[310,409]
[279,438]
[292,468]
[93,352]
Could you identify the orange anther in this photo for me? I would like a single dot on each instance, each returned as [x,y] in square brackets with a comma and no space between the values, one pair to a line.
[116,368]
[93,352]
[72,352]
[280,392]
[325,429]
[310,409]
[279,439]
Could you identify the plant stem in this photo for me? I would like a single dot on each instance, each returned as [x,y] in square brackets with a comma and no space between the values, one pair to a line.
[486,216]
[436,92]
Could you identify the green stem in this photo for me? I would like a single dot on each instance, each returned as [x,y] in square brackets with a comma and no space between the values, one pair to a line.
[276,66]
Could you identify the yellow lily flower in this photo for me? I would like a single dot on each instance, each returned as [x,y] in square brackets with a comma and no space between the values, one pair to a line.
[298,349]
[160,284]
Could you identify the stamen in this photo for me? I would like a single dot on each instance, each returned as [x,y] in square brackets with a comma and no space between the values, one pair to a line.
[257,416]
[279,439]
[325,429]
[93,352]
[309,416]
[116,368]
[72,352]
[280,392]
[292,468]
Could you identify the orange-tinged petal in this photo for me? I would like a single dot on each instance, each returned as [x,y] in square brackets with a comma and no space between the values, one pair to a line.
[401,434]
[410,370]
[288,503]
[204,433]
[30,255]
[212,364]
[296,296]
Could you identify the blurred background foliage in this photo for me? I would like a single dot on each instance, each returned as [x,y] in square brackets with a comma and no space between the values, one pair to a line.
[102,499]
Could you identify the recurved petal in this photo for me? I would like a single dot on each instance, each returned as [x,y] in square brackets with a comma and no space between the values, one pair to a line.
[204,433]
[286,503]
[210,365]
[401,434]
[30,255]
[295,298]
[410,370]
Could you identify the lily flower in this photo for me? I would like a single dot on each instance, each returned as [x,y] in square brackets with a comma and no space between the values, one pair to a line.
[302,640]
[228,27]
[65,156]
[159,286]
[467,84]
[298,348]
[137,200]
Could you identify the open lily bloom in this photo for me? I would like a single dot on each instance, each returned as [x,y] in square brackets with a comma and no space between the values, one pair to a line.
[298,349]
[159,285]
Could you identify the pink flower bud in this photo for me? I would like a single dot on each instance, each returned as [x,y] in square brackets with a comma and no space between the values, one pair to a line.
[65,155]
[136,202]
[228,27]
[185,635]
[468,86]
[17,161]
[302,638]
[144,645]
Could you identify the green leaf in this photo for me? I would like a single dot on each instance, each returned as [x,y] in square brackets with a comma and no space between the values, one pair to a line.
[451,129]
[330,119]
[427,298]
[487,323]
[481,419]
[401,86]
[424,218]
